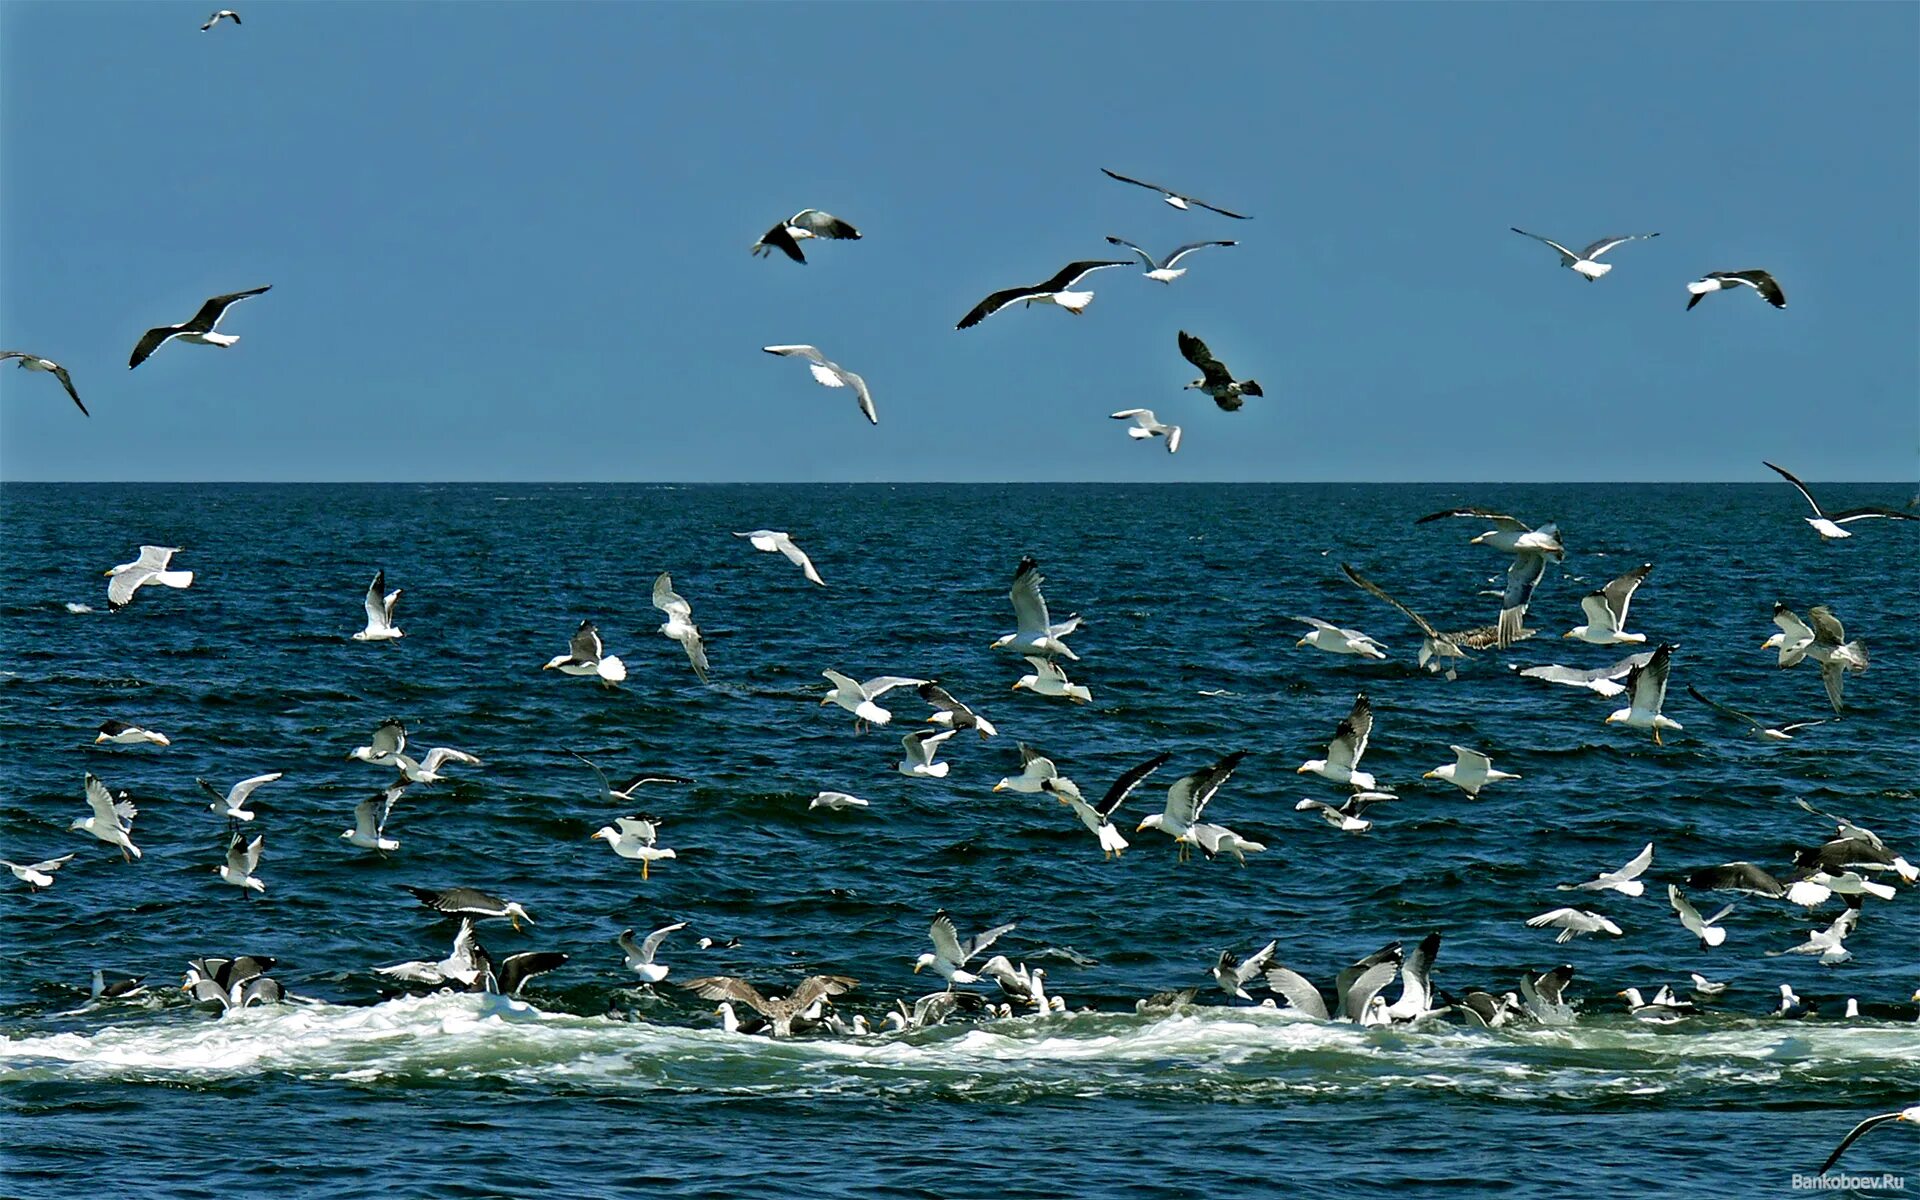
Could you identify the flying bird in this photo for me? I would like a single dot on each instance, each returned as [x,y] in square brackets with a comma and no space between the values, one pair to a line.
[1572,922]
[1780,733]
[1707,929]
[1187,800]
[1034,629]
[952,714]
[471,903]
[950,955]
[1530,547]
[1164,271]
[774,542]
[225,14]
[379,605]
[626,790]
[369,830]
[1606,611]
[112,819]
[806,224]
[1646,693]
[1335,640]
[1828,525]
[921,745]
[33,362]
[1098,818]
[1176,199]
[1215,380]
[636,838]
[830,374]
[1345,750]
[150,567]
[1824,641]
[780,1011]
[1828,942]
[199,330]
[36,875]
[1586,262]
[1036,770]
[243,859]
[1232,973]
[640,956]
[1051,291]
[1146,425]
[233,804]
[679,624]
[461,966]
[388,740]
[1601,680]
[858,698]
[1347,816]
[586,655]
[1910,1115]
[1469,771]
[1759,281]
[1626,880]
[119,733]
[1436,648]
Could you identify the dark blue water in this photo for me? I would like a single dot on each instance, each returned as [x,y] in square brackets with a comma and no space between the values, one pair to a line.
[1186,591]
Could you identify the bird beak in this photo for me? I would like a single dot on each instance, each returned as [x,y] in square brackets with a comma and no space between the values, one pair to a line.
[916,968]
[110,573]
[1140,828]
[1300,643]
[998,787]
[1612,717]
[826,700]
[1299,770]
[1567,635]
[101,737]
[1431,774]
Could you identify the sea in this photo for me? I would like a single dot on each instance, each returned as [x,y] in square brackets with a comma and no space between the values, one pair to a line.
[595,1087]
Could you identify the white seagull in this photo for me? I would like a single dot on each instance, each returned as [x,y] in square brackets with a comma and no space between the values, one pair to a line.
[1146,425]
[1646,692]
[1828,525]
[1098,818]
[369,830]
[1759,281]
[1345,750]
[1827,943]
[1215,380]
[626,790]
[34,362]
[461,966]
[1626,880]
[640,955]
[1036,769]
[831,374]
[1601,680]
[1469,771]
[119,733]
[36,875]
[1825,641]
[1187,799]
[1034,630]
[233,805]
[951,714]
[1531,548]
[1335,640]
[1165,271]
[1606,611]
[225,14]
[427,770]
[1231,972]
[1910,1115]
[774,542]
[198,330]
[950,956]
[1572,922]
[112,819]
[379,604]
[679,624]
[586,655]
[1347,816]
[858,698]
[1176,199]
[1773,733]
[1436,648]
[835,802]
[1051,291]
[150,567]
[635,838]
[388,740]
[1356,990]
[1050,679]
[1586,262]
[243,859]
[921,745]
[801,226]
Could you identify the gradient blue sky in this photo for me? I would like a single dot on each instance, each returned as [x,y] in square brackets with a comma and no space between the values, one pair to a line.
[509,241]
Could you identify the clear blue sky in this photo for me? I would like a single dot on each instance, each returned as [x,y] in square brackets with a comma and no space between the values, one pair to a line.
[509,241]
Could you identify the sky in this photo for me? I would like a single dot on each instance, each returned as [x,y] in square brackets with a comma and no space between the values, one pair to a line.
[509,241]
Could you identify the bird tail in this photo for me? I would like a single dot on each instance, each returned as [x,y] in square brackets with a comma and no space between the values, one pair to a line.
[611,669]
[1137,432]
[1251,388]
[1855,655]
[175,579]
[1693,299]
[1073,302]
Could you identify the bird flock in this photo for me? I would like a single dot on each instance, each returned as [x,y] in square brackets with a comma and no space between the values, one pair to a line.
[1849,864]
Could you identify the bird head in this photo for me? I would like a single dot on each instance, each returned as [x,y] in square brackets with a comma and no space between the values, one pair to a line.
[1019,683]
[925,960]
[516,914]
[1615,717]
[1153,821]
[1001,786]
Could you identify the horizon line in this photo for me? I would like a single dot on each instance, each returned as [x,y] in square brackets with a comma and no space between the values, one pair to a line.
[927,482]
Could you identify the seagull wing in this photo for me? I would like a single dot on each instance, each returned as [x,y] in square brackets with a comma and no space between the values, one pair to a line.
[1350,737]
[823,225]
[1029,606]
[1566,255]
[1125,785]
[106,810]
[1637,865]
[210,312]
[1368,984]
[1144,256]
[237,798]
[815,987]
[1374,589]
[1852,514]
[1522,577]
[152,340]
[880,685]
[1190,247]
[669,601]
[651,946]
[1826,627]
[1135,182]
[778,238]
[440,756]
[980,941]
[1618,594]
[586,645]
[1854,1134]
[1791,478]
[1647,685]
[66,381]
[1195,351]
[1192,792]
[1074,272]
[1607,243]
[378,615]
[1298,991]
[1723,710]
[1255,963]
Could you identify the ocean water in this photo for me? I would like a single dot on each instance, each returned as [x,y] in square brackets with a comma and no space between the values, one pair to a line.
[1186,591]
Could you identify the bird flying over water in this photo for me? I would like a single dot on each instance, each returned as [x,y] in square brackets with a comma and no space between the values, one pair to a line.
[640,957]
[1345,750]
[1146,425]
[1187,800]
[1215,380]
[1601,680]
[1034,630]
[1911,1115]
[679,624]
[243,859]
[920,746]
[1176,199]
[952,714]
[1707,929]
[1824,641]
[1050,291]
[1049,678]
[1606,611]
[33,362]
[1586,264]
[1646,691]
[586,655]
[1828,525]
[37,875]
[1470,771]
[120,733]
[1626,880]
[199,329]
[379,607]
[858,698]
[150,567]
[233,804]
[774,542]
[1335,640]
[1759,281]
[1098,818]
[111,820]
[626,790]
[1165,271]
[831,374]
[1530,547]
[369,830]
[1781,733]
[780,1011]
[636,838]
[950,955]
[225,14]
[802,226]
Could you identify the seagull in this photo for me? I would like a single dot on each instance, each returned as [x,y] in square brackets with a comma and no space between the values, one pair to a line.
[1049,679]
[586,655]
[1828,525]
[1346,816]
[428,771]
[950,955]
[233,805]
[1435,646]
[1034,630]
[119,989]
[1704,988]
[1052,291]
[708,943]
[1626,880]
[1606,611]
[1187,799]
[1019,985]
[1335,640]
[513,971]
[833,375]
[1759,281]
[1146,425]
[1098,818]
[112,819]
[952,714]
[1572,922]
[120,733]
[1215,380]
[1586,262]
[33,362]
[199,330]
[858,698]
[807,223]
[1179,201]
[1827,943]
[1646,692]
[1601,680]
[679,624]
[234,984]
[1664,1003]
[461,966]
[1469,771]
[639,955]
[1416,982]
[626,790]
[243,859]
[921,745]
[1164,271]
[39,874]
[369,830]
[472,903]
[773,541]
[1738,877]
[1036,769]
[1344,751]
[1707,929]
[380,626]
[1910,1115]
[1825,641]
[1790,1004]
[150,567]
[835,802]
[1531,549]
[634,837]
[1231,972]
[225,14]
[387,743]
[1782,733]
[1544,995]
[1355,990]
[779,1011]
[1859,846]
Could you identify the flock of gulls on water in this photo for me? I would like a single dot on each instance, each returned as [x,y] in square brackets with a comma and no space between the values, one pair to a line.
[1848,863]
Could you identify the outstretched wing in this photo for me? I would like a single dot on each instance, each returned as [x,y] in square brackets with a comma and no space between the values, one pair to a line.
[1566,255]
[1125,785]
[1374,589]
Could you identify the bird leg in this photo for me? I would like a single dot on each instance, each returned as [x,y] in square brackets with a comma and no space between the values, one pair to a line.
[643,862]
[1656,736]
